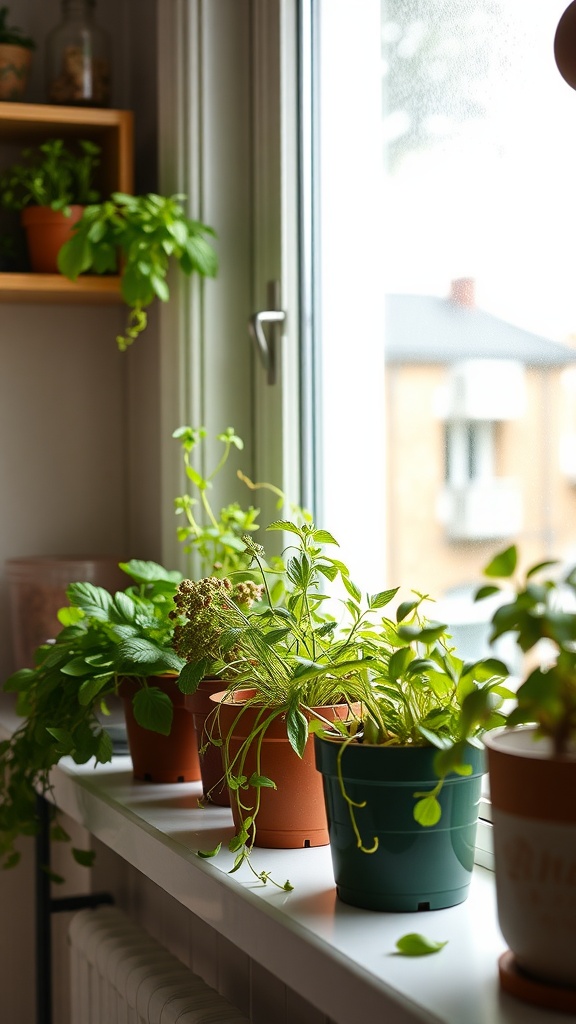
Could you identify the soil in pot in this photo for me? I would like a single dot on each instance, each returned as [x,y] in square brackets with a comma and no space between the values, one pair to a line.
[413,867]
[158,758]
[293,815]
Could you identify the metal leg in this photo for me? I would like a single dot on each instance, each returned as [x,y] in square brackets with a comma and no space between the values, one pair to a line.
[45,906]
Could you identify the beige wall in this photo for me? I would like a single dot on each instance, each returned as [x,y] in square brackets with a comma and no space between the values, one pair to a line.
[419,554]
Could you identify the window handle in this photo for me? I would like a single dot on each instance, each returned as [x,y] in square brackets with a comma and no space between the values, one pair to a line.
[267,347]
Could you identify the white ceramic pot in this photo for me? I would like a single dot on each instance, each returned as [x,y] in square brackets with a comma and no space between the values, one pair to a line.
[534,818]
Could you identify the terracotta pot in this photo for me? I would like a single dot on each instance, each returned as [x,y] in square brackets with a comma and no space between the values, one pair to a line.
[211,767]
[534,829]
[14,70]
[158,758]
[293,815]
[46,232]
[37,591]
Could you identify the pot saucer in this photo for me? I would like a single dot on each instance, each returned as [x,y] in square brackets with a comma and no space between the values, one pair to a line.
[516,983]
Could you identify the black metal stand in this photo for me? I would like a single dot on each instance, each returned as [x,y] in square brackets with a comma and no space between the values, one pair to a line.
[45,907]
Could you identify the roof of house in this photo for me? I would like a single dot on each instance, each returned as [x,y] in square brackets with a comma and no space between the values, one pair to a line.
[426,329]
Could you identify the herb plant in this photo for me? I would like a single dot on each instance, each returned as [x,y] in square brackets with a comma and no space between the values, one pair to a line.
[215,538]
[289,650]
[139,237]
[104,638]
[542,607]
[53,174]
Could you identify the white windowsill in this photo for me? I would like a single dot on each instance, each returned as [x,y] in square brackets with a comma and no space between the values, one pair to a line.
[337,957]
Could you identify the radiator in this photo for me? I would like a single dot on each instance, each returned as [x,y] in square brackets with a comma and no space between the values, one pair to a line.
[120,975]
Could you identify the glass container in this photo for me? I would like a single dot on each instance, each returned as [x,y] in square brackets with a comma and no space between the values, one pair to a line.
[78,63]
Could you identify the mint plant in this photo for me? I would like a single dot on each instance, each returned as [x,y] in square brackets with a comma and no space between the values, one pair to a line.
[52,174]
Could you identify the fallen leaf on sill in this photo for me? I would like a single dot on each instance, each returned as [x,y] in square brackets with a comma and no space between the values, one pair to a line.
[414,944]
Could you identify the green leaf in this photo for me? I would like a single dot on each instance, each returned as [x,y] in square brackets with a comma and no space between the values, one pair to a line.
[383,598]
[94,601]
[427,811]
[297,730]
[209,853]
[191,675]
[486,591]
[153,709]
[404,609]
[351,587]
[504,563]
[261,782]
[414,944]
[84,857]
[423,634]
[324,537]
[92,687]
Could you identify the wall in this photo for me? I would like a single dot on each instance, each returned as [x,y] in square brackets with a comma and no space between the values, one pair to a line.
[79,459]
[79,454]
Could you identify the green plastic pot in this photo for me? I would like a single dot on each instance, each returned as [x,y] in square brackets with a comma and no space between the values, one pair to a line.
[413,867]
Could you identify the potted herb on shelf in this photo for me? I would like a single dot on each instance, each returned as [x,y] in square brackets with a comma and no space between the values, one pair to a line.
[139,237]
[50,189]
[402,786]
[15,58]
[532,770]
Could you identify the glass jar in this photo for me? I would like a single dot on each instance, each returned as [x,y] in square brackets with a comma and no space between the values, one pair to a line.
[78,64]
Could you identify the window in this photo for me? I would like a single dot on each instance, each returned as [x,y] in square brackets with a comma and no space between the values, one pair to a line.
[444,272]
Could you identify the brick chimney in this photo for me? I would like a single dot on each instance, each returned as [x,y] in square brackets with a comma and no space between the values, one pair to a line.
[462,292]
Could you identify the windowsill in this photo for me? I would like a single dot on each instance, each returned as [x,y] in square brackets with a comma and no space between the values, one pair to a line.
[337,957]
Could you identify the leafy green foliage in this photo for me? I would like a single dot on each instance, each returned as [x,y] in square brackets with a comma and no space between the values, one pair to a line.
[10,35]
[141,236]
[540,608]
[415,944]
[107,637]
[217,539]
[53,174]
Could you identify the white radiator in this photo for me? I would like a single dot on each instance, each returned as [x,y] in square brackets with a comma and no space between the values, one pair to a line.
[120,975]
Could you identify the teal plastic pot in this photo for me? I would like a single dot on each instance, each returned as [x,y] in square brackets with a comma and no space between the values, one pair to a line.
[413,867]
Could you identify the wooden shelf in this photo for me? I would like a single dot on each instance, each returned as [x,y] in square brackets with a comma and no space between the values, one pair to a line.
[29,124]
[55,288]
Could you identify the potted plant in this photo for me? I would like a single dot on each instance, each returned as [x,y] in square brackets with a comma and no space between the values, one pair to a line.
[289,663]
[532,770]
[106,639]
[140,237]
[402,787]
[116,644]
[15,58]
[50,188]
[216,540]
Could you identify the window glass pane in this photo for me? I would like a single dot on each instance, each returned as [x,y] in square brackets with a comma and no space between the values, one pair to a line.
[478,146]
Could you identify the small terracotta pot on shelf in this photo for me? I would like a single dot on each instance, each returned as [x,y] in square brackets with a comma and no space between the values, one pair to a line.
[158,758]
[46,232]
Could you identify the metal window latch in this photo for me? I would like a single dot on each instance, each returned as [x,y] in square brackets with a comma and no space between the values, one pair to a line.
[267,348]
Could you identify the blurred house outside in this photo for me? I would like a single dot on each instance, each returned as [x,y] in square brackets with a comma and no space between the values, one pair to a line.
[481,423]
